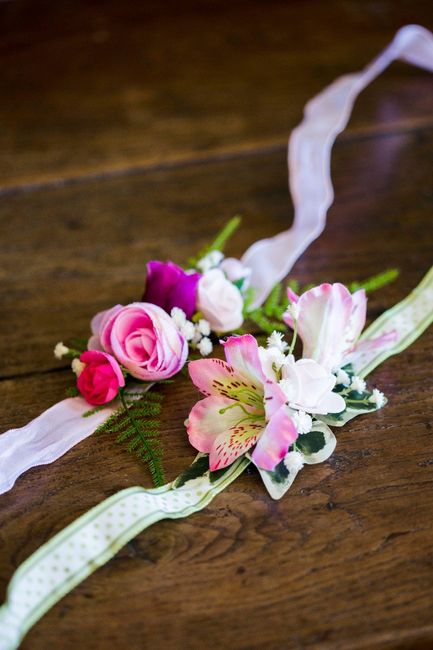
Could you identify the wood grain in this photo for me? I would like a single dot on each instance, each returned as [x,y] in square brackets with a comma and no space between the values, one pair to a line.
[89,87]
[131,132]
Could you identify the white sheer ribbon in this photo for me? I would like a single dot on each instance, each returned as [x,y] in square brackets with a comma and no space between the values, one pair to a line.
[309,158]
[46,438]
[62,426]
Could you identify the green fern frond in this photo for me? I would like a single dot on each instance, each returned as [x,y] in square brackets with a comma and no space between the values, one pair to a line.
[266,324]
[272,301]
[137,423]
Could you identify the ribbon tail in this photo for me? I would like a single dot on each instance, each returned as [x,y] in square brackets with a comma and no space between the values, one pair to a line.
[91,541]
[309,160]
[407,320]
[46,438]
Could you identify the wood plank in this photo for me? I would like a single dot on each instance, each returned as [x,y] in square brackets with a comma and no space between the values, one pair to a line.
[86,245]
[343,561]
[92,87]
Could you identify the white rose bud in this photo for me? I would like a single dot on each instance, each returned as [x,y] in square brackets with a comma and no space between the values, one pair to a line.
[235,270]
[220,302]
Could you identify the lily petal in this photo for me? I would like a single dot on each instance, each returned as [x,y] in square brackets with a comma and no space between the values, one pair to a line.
[275,440]
[274,398]
[242,352]
[206,421]
[211,376]
[233,443]
[364,347]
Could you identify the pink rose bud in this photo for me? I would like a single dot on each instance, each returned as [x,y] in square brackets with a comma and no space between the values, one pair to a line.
[100,380]
[143,338]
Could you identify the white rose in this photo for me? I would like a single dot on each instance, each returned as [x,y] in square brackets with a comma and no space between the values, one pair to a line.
[235,270]
[220,302]
[308,387]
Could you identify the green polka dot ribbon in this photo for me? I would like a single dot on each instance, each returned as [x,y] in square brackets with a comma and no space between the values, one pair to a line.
[93,539]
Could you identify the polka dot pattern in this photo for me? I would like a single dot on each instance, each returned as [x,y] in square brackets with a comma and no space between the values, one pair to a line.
[408,319]
[90,542]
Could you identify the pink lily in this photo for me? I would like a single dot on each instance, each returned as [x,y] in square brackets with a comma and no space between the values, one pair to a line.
[330,323]
[242,408]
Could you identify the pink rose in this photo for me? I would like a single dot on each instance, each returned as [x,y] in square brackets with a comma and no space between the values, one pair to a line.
[100,380]
[143,338]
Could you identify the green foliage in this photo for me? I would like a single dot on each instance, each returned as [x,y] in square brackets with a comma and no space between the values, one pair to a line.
[93,410]
[280,473]
[78,345]
[219,242]
[375,281]
[310,443]
[199,468]
[72,391]
[137,423]
[268,317]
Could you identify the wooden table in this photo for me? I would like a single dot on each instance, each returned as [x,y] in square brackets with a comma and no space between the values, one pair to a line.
[132,131]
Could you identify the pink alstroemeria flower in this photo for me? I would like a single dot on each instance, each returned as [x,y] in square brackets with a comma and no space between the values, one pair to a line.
[242,408]
[330,322]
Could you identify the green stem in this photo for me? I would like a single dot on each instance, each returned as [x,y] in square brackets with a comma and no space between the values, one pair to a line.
[295,336]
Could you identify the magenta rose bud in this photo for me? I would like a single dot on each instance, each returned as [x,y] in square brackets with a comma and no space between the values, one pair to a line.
[143,338]
[168,286]
[100,380]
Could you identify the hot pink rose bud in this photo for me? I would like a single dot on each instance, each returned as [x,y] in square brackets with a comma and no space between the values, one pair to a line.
[100,380]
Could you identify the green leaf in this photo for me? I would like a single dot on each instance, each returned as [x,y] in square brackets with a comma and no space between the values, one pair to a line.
[311,443]
[217,474]
[199,468]
[278,481]
[321,445]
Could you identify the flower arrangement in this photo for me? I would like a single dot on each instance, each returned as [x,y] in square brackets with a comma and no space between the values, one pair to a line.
[260,400]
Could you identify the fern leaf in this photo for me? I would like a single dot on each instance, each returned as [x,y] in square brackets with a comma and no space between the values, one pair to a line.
[137,424]
[272,301]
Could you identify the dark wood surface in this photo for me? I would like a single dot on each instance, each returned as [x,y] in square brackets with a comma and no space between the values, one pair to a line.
[131,131]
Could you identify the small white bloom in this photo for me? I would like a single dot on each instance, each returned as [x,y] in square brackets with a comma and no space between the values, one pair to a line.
[205,346]
[271,360]
[293,461]
[294,309]
[377,398]
[178,316]
[342,377]
[210,261]
[188,330]
[197,336]
[203,327]
[276,340]
[358,384]
[77,366]
[60,350]
[303,421]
